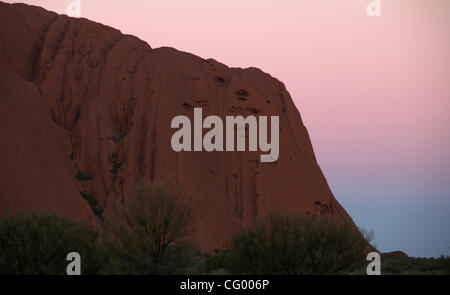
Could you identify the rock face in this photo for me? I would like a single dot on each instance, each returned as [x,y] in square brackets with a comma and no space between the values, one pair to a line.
[397,253]
[78,97]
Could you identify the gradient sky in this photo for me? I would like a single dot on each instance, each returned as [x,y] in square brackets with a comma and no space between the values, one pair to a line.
[374,92]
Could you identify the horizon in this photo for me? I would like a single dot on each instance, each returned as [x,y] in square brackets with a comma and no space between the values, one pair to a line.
[381,143]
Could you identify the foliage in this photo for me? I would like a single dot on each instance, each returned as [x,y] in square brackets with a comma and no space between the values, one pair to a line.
[116,138]
[39,244]
[115,168]
[216,264]
[92,202]
[445,264]
[89,198]
[83,176]
[286,244]
[147,231]
[293,244]
[396,264]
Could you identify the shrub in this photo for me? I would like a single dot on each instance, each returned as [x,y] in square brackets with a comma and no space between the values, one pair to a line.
[97,211]
[116,168]
[116,138]
[396,264]
[178,258]
[89,198]
[445,263]
[215,263]
[39,244]
[293,244]
[147,231]
[83,176]
[92,202]
[113,158]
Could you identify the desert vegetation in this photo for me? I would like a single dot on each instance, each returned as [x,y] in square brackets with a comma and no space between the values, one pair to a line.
[39,243]
[291,244]
[147,233]
[396,264]
[83,176]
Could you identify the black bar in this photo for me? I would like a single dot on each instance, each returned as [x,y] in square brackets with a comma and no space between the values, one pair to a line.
[224,284]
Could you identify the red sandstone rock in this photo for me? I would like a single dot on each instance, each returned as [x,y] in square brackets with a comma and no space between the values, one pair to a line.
[398,253]
[78,96]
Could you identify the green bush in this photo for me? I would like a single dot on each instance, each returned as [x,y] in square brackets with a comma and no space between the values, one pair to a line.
[445,264]
[293,244]
[113,158]
[39,244]
[97,211]
[177,259]
[83,176]
[92,202]
[89,198]
[115,168]
[147,231]
[116,138]
[215,263]
[392,264]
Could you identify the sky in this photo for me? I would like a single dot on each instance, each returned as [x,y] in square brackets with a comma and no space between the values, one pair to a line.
[373,92]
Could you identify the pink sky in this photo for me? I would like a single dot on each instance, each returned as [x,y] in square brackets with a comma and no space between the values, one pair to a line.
[374,92]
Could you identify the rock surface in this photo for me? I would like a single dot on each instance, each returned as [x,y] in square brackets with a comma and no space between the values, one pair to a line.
[397,253]
[80,97]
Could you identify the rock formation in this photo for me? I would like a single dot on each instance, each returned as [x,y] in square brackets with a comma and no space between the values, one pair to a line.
[85,108]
